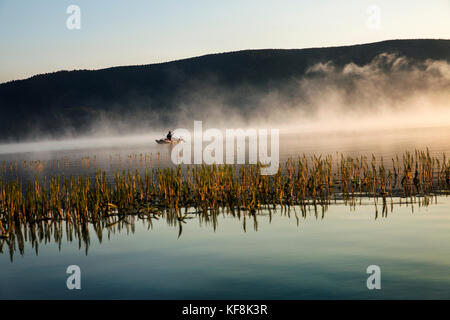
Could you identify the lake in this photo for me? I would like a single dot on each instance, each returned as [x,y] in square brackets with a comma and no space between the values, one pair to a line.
[320,253]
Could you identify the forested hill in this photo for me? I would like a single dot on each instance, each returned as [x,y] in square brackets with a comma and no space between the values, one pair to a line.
[73,100]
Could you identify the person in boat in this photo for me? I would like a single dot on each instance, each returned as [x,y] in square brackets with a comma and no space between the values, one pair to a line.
[169,136]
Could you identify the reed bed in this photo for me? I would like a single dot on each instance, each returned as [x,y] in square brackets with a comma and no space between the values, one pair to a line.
[46,208]
[306,180]
[142,160]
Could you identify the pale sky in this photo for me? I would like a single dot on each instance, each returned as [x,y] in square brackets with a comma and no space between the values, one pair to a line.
[34,38]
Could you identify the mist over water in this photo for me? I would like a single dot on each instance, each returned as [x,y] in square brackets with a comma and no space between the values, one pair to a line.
[391,104]
[77,144]
[390,93]
[88,156]
[384,108]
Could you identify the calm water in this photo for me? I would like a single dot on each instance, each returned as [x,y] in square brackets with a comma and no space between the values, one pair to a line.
[280,257]
[318,258]
[90,155]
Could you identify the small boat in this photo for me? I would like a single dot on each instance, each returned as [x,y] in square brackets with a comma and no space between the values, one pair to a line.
[167,141]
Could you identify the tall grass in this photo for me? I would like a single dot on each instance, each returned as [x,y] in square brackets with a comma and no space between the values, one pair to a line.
[305,180]
[38,208]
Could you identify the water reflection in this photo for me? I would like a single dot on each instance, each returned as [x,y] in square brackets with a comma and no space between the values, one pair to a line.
[45,231]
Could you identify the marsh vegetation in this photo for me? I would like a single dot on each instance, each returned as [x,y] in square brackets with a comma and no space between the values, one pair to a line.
[177,193]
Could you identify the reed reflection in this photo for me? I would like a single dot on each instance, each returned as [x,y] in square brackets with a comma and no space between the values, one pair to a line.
[44,231]
[56,207]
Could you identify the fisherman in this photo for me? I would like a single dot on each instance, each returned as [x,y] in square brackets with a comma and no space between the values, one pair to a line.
[169,136]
